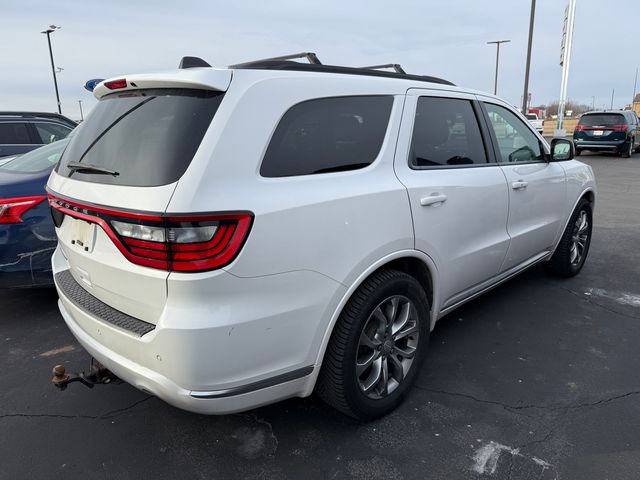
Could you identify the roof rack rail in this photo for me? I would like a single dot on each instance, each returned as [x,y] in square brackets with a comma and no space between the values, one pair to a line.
[310,56]
[396,66]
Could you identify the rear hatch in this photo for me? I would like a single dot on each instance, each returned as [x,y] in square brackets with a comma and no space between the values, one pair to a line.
[115,179]
[601,127]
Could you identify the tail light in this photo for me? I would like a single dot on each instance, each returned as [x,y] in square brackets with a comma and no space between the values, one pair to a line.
[12,209]
[190,243]
[579,128]
[543,123]
[617,128]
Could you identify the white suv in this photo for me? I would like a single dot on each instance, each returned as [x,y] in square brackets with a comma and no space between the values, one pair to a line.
[233,237]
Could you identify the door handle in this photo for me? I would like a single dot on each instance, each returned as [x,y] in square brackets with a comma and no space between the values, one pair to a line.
[519,185]
[433,199]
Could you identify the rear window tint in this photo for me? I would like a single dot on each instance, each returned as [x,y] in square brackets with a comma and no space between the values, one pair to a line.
[603,119]
[328,135]
[14,134]
[147,136]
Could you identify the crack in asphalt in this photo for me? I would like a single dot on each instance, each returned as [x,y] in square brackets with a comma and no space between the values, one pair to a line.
[517,408]
[588,299]
[105,416]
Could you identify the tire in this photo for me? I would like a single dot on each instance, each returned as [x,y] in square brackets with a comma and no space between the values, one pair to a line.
[363,335]
[564,262]
[628,151]
[578,152]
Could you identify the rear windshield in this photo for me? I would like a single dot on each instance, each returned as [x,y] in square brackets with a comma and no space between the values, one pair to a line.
[144,138]
[38,160]
[602,119]
[531,116]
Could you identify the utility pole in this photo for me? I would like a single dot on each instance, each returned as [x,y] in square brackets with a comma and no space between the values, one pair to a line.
[565,61]
[48,31]
[525,95]
[613,92]
[81,116]
[497,43]
[635,84]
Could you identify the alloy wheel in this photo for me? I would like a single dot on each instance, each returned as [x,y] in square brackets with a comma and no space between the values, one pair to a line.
[387,346]
[579,238]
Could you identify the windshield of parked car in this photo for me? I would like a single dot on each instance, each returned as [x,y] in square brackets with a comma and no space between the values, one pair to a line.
[37,160]
[145,137]
[597,119]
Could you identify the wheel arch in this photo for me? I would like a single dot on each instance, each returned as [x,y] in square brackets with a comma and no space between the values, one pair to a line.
[588,194]
[413,262]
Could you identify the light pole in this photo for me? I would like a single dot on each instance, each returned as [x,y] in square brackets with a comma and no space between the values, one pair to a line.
[497,43]
[525,95]
[81,116]
[48,31]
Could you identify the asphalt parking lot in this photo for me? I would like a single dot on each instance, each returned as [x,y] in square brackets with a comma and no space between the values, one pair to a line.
[539,379]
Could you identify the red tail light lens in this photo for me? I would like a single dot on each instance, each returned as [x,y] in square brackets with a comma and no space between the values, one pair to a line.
[12,209]
[193,243]
[116,84]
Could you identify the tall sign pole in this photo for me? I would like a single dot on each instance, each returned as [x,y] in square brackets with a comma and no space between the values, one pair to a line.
[565,61]
[525,95]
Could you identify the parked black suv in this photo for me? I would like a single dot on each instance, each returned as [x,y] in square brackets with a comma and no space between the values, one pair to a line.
[608,131]
[21,132]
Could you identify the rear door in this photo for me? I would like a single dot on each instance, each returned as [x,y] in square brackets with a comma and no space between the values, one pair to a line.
[458,195]
[125,161]
[537,188]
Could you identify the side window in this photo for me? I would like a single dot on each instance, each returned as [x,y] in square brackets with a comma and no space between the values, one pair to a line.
[51,132]
[14,134]
[328,135]
[517,143]
[445,133]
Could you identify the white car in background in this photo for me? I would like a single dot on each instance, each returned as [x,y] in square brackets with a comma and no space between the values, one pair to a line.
[233,237]
[538,123]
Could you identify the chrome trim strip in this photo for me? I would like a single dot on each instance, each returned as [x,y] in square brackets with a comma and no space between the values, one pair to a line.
[250,387]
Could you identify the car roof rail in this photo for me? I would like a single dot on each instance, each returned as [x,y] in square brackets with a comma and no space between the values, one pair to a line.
[270,64]
[396,66]
[192,62]
[310,56]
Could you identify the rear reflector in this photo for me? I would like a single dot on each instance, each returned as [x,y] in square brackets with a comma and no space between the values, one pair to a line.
[12,209]
[189,243]
[116,84]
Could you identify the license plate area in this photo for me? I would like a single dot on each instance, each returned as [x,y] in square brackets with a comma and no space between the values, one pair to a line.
[598,133]
[83,234]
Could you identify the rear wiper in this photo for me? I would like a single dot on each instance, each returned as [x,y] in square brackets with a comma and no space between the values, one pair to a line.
[86,167]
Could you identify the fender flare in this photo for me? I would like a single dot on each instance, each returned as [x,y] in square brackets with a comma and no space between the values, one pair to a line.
[575,204]
[435,303]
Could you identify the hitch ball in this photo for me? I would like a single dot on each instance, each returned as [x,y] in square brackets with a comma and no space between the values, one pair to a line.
[60,377]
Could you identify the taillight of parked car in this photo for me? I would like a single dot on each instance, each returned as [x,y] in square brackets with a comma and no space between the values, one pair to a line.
[12,209]
[615,128]
[185,243]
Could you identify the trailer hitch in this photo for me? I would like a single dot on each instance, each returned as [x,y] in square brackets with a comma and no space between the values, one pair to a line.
[98,376]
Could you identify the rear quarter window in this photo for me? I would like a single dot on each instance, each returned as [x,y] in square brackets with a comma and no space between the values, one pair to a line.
[328,135]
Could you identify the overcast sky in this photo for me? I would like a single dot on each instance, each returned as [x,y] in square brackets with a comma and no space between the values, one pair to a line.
[446,38]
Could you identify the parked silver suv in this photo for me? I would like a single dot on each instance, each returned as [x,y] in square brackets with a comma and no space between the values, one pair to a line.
[233,237]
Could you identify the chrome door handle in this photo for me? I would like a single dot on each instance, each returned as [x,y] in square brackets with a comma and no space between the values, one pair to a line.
[519,185]
[434,199]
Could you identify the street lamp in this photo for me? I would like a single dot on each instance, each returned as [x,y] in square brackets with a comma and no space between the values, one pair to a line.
[48,31]
[497,43]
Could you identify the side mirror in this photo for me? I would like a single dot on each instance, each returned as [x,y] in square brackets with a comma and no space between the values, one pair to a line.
[562,149]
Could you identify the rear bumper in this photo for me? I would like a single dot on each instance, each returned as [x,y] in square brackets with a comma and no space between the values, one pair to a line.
[612,146]
[222,345]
